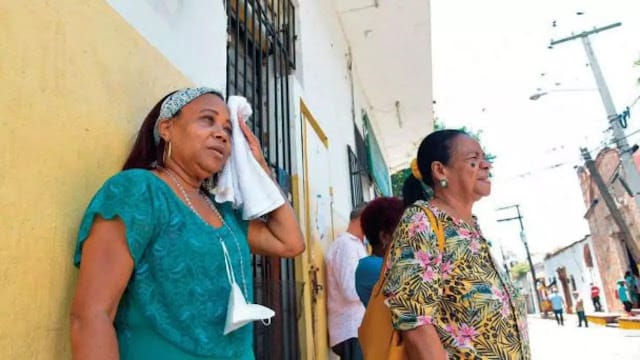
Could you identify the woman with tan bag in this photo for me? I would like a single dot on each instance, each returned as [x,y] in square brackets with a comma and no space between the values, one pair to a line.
[446,295]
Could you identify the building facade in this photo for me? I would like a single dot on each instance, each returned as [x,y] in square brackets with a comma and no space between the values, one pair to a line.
[341,93]
[572,269]
[609,252]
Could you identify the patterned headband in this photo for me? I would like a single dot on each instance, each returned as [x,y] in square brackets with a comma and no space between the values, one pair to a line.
[176,101]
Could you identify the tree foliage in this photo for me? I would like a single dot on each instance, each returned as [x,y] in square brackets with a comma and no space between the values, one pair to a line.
[519,270]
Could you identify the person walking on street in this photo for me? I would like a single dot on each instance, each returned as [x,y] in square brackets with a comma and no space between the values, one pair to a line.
[580,309]
[343,304]
[595,297]
[557,303]
[623,296]
[630,280]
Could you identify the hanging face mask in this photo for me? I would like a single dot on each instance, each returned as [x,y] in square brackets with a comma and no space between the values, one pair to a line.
[239,312]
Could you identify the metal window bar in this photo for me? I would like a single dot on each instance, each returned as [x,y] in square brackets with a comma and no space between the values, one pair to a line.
[260,57]
[357,197]
[361,151]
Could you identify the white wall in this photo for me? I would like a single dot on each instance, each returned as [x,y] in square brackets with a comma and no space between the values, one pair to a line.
[324,77]
[593,275]
[572,258]
[191,34]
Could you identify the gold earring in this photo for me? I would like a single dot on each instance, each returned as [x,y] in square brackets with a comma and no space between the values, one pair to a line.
[167,153]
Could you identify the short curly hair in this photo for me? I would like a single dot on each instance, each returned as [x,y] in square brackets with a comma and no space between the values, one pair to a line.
[381,214]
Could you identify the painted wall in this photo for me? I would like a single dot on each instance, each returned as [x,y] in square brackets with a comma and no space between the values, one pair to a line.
[191,34]
[325,86]
[572,259]
[77,81]
[325,80]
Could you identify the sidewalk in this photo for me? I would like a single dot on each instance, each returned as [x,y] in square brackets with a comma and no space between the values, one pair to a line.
[551,341]
[573,318]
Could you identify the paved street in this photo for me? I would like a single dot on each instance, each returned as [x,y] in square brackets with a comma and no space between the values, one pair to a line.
[568,342]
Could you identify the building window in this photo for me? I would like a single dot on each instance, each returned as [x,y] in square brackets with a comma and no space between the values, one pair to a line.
[357,197]
[358,167]
[260,57]
[573,283]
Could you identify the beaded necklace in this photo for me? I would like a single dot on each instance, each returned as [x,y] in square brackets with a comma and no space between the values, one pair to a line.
[187,199]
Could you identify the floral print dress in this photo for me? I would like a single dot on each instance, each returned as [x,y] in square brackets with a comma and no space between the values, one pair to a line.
[476,311]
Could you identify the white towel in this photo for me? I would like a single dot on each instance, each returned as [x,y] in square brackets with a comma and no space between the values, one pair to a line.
[243,181]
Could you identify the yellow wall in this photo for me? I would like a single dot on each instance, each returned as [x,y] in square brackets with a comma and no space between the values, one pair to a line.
[76,80]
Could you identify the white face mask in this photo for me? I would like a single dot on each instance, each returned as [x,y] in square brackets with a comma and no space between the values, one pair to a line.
[239,312]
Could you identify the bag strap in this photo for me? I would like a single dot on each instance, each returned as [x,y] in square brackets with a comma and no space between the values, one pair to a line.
[437,228]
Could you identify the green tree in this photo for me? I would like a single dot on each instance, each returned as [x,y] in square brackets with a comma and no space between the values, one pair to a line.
[397,180]
[519,270]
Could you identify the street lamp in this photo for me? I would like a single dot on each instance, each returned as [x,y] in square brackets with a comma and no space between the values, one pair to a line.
[523,238]
[538,95]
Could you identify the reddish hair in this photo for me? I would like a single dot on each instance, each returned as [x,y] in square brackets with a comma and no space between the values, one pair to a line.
[381,214]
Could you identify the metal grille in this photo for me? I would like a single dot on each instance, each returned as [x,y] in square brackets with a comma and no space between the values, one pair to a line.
[357,197]
[361,150]
[260,56]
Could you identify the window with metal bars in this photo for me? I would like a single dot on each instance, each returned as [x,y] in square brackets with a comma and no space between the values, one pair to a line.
[355,173]
[260,57]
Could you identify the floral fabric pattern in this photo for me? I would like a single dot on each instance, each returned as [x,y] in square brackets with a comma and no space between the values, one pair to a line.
[472,304]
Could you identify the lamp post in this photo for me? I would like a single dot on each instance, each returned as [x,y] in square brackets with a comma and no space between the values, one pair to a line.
[523,238]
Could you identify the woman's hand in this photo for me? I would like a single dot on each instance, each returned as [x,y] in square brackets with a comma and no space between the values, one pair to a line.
[254,145]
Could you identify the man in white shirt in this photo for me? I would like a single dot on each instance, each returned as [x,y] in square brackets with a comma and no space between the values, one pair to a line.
[343,304]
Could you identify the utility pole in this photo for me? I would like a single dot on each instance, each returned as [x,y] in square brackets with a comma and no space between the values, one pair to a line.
[523,237]
[611,204]
[626,153]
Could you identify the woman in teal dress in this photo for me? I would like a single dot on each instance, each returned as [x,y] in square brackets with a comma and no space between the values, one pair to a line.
[152,282]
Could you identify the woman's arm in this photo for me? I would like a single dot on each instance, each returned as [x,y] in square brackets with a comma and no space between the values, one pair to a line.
[423,343]
[280,235]
[105,270]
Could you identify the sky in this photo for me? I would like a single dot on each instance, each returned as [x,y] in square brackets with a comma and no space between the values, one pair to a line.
[489,57]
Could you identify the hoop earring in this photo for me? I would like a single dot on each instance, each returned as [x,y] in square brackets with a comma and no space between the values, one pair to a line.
[444,183]
[167,153]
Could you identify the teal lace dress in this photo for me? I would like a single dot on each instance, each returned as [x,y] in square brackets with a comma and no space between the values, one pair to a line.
[174,306]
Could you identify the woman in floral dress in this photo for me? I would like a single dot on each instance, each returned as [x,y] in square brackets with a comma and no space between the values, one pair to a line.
[453,302]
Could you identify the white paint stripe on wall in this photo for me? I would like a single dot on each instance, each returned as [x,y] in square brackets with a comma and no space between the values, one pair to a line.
[191,34]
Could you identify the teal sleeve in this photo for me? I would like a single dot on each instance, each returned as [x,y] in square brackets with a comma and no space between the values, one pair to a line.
[129,197]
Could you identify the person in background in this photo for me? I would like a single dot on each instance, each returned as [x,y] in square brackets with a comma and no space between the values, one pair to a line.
[151,245]
[623,295]
[557,303]
[452,300]
[630,281]
[379,219]
[580,309]
[595,297]
[345,311]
